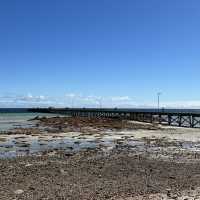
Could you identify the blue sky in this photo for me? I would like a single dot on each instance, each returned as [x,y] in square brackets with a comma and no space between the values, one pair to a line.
[119,52]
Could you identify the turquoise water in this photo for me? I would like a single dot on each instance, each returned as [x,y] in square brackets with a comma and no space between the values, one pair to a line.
[13,120]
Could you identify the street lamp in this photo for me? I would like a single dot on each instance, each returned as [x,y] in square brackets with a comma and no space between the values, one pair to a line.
[158,94]
[99,100]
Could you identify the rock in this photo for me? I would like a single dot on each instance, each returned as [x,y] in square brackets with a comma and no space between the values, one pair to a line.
[35,118]
[19,191]
[69,154]
[31,188]
[28,165]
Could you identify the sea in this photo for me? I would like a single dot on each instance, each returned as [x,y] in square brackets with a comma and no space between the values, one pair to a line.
[17,117]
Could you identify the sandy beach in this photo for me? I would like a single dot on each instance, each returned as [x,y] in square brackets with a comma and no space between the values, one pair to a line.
[83,158]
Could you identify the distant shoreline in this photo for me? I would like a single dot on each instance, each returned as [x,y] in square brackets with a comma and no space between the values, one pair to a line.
[21,110]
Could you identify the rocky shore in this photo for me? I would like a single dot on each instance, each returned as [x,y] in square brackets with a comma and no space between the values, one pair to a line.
[95,175]
[82,158]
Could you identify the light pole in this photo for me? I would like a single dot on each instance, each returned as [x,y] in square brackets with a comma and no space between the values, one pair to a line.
[158,94]
[72,102]
[101,103]
[99,100]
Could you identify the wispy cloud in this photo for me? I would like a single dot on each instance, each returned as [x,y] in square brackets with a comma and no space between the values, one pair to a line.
[24,100]
[31,98]
[182,104]
[79,100]
[121,98]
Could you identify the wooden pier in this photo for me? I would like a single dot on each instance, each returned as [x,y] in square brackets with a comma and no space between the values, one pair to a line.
[181,118]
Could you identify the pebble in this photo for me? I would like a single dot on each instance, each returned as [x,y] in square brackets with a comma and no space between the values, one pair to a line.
[19,191]
[28,165]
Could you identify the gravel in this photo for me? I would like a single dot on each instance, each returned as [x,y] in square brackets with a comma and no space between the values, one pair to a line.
[94,175]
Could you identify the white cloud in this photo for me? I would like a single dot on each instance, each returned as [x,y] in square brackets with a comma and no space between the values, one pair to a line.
[79,100]
[181,104]
[30,98]
[121,98]
[71,95]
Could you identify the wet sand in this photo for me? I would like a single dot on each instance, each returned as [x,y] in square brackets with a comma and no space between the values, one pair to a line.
[80,158]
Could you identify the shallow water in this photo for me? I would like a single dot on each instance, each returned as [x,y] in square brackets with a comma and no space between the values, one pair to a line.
[13,120]
[20,145]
